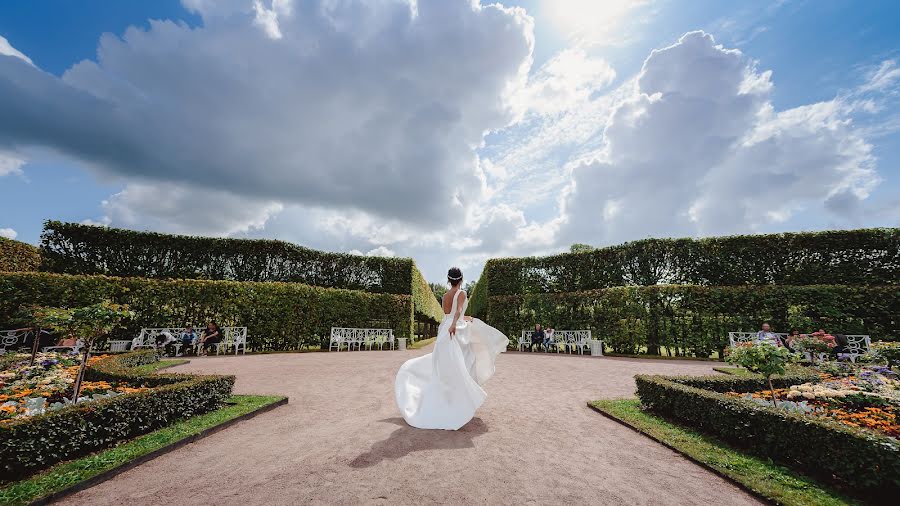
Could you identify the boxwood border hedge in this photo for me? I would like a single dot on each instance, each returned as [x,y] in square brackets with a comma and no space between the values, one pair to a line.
[861,462]
[31,444]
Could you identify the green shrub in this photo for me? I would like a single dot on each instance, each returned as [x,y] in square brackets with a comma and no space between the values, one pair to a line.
[478,299]
[862,462]
[278,316]
[853,257]
[695,320]
[16,256]
[35,443]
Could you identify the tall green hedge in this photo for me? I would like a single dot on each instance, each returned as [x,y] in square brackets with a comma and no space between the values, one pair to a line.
[16,256]
[72,248]
[695,320]
[852,257]
[278,316]
[478,299]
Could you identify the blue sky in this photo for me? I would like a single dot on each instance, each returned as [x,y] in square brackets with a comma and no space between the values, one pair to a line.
[450,134]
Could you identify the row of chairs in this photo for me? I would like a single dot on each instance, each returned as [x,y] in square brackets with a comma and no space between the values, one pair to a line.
[351,338]
[568,341]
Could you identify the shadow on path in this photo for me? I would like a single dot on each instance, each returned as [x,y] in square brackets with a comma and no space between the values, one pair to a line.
[406,440]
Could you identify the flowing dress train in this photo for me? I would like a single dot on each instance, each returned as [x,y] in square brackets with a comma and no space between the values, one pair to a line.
[442,390]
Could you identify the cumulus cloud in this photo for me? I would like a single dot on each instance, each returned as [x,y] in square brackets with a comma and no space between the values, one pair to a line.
[8,233]
[377,107]
[698,149]
[10,163]
[180,209]
[6,49]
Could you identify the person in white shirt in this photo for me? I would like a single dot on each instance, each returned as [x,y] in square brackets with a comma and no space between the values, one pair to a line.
[767,336]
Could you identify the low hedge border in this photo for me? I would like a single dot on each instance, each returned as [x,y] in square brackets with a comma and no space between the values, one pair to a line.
[35,443]
[863,463]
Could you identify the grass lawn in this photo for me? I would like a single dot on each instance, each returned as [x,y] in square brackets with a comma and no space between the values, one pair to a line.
[770,481]
[155,366]
[421,344]
[67,474]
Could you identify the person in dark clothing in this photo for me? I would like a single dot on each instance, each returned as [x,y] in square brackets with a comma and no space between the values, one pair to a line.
[788,341]
[840,345]
[537,337]
[211,336]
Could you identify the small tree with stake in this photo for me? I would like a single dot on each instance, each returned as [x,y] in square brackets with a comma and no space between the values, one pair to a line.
[89,323]
[762,358]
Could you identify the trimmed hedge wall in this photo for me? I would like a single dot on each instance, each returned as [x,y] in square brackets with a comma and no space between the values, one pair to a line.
[16,256]
[855,257]
[72,248]
[695,320]
[478,299]
[32,444]
[278,316]
[864,463]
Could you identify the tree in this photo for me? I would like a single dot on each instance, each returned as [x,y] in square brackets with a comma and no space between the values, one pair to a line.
[580,248]
[439,290]
[762,358]
[470,287]
[88,323]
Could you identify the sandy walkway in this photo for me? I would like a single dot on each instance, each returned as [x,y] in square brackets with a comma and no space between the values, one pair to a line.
[341,441]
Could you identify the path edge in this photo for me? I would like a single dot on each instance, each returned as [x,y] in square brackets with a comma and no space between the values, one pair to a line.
[702,464]
[112,473]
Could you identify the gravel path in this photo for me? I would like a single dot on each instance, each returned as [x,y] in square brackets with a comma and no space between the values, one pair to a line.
[342,441]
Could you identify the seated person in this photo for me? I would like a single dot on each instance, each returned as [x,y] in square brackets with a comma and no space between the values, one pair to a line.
[188,337]
[537,337]
[788,341]
[767,336]
[211,336]
[166,341]
[548,339]
[840,345]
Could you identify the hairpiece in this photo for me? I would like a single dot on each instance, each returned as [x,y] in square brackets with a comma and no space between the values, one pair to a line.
[457,278]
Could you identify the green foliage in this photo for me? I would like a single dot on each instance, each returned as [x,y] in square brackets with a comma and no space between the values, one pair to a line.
[762,358]
[580,248]
[30,444]
[889,351]
[72,248]
[861,462]
[17,256]
[424,305]
[278,316]
[478,299]
[695,320]
[855,257]
[438,290]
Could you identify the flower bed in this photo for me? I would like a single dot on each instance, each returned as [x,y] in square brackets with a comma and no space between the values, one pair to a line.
[48,385]
[31,443]
[868,398]
[865,463]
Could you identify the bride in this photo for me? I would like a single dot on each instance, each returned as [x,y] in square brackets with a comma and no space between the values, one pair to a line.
[442,390]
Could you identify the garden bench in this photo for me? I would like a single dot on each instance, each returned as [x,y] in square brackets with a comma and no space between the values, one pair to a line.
[232,338]
[857,344]
[359,337]
[570,340]
[12,338]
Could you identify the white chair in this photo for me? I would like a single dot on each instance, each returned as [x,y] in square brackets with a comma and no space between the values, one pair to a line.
[360,338]
[117,346]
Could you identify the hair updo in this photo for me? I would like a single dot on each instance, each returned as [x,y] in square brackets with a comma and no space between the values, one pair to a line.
[454,276]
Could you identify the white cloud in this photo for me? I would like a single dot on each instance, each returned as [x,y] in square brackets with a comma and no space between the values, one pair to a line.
[6,49]
[8,233]
[186,210]
[587,22]
[883,78]
[10,163]
[354,107]
[698,149]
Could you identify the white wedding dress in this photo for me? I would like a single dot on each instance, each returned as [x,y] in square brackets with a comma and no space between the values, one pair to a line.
[442,390]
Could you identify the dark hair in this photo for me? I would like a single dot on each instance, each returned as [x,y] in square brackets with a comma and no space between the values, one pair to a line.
[795,329]
[454,276]
[214,324]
